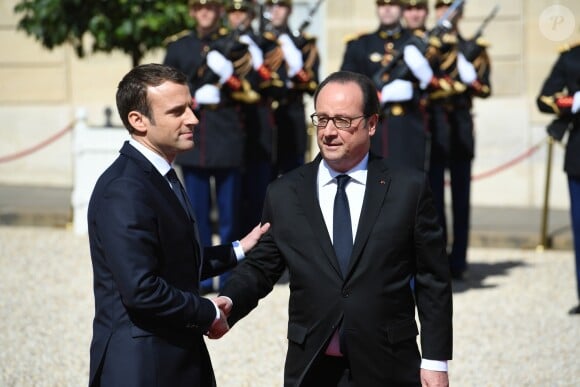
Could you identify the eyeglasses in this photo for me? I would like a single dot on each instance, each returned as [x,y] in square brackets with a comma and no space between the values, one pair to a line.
[339,122]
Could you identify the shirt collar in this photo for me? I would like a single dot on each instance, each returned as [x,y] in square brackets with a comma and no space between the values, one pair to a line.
[358,173]
[158,162]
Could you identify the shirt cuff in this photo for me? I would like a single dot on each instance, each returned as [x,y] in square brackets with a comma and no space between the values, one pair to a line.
[238,250]
[434,365]
[217,311]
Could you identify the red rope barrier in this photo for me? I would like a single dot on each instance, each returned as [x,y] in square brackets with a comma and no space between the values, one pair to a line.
[507,164]
[529,152]
[26,152]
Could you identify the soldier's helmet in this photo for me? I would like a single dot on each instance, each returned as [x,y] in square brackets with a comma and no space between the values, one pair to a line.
[415,3]
[440,3]
[390,2]
[287,3]
[193,3]
[240,5]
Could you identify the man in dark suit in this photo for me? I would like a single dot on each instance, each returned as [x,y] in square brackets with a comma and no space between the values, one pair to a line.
[351,308]
[560,95]
[147,261]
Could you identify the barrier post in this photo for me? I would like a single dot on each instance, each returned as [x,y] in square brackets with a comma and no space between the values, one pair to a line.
[545,241]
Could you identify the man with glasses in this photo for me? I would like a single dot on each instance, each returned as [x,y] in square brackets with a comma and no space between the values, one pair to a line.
[352,230]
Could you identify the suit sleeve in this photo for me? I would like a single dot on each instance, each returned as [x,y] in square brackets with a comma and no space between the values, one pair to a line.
[217,260]
[256,275]
[127,226]
[432,282]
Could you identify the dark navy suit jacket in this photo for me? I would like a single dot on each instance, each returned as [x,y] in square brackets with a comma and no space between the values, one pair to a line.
[147,263]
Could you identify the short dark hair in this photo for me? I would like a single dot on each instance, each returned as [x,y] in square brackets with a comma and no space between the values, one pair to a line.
[370,101]
[132,90]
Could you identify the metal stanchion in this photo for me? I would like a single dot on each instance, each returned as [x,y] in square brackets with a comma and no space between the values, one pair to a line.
[545,241]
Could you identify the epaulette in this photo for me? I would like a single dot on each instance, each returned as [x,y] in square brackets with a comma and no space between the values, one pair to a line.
[268,35]
[567,47]
[419,33]
[482,42]
[354,36]
[174,37]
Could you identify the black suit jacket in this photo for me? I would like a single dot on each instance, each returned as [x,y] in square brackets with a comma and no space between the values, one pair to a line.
[147,264]
[398,238]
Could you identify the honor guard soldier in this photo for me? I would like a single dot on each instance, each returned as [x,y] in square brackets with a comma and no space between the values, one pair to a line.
[466,62]
[415,14]
[401,134]
[219,137]
[415,18]
[261,71]
[560,95]
[301,59]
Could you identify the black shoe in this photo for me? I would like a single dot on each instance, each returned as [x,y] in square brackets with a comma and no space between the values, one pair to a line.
[575,310]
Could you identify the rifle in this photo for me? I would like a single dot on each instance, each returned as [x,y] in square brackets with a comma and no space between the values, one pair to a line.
[472,50]
[309,18]
[380,78]
[299,40]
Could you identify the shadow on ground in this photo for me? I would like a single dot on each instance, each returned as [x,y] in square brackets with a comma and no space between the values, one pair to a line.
[477,273]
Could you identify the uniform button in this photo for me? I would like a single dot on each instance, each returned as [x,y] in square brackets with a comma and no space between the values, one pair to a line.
[346,292]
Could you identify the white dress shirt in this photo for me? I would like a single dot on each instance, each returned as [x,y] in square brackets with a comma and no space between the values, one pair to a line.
[355,190]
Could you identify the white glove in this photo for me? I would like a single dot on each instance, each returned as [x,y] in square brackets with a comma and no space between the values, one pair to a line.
[207,95]
[418,65]
[576,102]
[292,55]
[220,65]
[398,90]
[466,70]
[255,52]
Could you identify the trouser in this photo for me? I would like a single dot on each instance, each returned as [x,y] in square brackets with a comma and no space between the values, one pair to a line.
[574,187]
[227,195]
[460,175]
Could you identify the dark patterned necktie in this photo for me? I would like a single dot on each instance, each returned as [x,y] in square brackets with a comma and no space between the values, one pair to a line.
[341,224]
[179,192]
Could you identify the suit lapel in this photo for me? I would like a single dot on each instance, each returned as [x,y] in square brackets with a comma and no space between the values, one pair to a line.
[308,198]
[377,187]
[161,185]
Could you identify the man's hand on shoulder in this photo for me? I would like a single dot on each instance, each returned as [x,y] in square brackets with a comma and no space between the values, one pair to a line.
[250,240]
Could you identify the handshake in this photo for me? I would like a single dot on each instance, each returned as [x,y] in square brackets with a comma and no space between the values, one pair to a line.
[220,326]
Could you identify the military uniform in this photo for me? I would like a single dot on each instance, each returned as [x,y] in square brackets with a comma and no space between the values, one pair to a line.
[401,135]
[259,64]
[219,137]
[289,114]
[560,95]
[455,149]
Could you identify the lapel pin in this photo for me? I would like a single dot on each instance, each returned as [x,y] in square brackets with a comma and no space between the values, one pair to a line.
[381,182]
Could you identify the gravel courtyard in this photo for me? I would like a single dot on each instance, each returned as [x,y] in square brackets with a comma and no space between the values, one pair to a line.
[510,322]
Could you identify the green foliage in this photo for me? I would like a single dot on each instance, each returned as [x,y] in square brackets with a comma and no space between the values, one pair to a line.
[132,26]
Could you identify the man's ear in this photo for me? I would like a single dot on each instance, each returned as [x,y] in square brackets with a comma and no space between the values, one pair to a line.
[372,123]
[138,121]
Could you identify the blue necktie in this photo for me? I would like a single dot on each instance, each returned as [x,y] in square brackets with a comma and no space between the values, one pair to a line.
[341,224]
[179,192]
